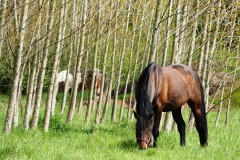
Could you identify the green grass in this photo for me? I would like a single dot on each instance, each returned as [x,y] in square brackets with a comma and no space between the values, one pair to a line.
[116,141]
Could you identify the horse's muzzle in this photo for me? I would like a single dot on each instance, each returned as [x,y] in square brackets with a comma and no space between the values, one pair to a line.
[143,143]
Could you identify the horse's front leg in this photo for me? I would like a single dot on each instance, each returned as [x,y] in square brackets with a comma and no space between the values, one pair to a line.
[155,130]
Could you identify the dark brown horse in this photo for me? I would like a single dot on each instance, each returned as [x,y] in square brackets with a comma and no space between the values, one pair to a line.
[162,89]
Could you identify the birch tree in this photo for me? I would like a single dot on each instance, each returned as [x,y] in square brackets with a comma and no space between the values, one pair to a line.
[51,97]
[12,105]
[3,4]
[131,99]
[168,30]
[45,52]
[96,50]
[207,72]
[231,88]
[72,50]
[108,97]
[130,64]
[154,33]
[102,97]
[60,42]
[113,116]
[79,61]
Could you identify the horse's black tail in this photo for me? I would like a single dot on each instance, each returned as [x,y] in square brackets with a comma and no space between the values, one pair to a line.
[203,111]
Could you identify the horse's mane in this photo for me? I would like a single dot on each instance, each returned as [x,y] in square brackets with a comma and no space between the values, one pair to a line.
[144,106]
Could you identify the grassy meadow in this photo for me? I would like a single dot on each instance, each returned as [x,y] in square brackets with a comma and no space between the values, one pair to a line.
[115,140]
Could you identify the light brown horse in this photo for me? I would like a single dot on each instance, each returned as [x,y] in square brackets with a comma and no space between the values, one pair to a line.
[160,89]
[97,81]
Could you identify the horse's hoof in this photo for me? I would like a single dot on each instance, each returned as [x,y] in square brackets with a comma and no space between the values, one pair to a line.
[155,144]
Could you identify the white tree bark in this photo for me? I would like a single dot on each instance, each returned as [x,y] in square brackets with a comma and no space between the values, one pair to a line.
[79,61]
[208,66]
[51,98]
[154,33]
[102,97]
[3,8]
[168,30]
[45,51]
[108,97]
[113,117]
[12,105]
[60,42]
[92,98]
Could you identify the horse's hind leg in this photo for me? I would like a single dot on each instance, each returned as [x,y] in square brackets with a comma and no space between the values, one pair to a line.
[177,116]
[201,123]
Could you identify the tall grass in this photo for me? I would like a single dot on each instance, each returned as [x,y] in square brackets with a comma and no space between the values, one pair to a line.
[116,141]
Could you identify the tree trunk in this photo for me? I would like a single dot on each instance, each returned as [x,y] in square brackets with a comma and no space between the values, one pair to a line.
[102,97]
[236,64]
[121,63]
[194,32]
[3,4]
[72,50]
[176,58]
[90,105]
[51,97]
[108,97]
[183,21]
[42,70]
[84,74]
[231,88]
[30,94]
[191,117]
[154,33]
[12,105]
[79,61]
[168,30]
[60,42]
[129,66]
[207,72]
[131,97]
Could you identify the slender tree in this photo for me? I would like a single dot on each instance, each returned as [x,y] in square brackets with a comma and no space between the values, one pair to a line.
[51,97]
[154,33]
[17,66]
[115,103]
[3,4]
[79,61]
[209,64]
[108,97]
[94,69]
[102,97]
[45,52]
[60,43]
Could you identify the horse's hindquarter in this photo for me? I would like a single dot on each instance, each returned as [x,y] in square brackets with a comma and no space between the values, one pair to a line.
[177,86]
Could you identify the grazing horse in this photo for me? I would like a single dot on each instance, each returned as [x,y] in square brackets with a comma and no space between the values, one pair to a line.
[61,80]
[97,81]
[161,89]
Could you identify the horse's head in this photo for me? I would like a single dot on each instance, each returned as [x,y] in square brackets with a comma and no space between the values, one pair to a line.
[143,130]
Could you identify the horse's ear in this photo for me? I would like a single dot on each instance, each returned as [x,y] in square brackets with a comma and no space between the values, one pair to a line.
[150,116]
[135,115]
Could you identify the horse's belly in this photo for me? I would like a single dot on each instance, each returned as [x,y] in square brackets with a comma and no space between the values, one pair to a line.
[168,107]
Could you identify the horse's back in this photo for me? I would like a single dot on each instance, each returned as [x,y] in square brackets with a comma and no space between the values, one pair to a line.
[178,84]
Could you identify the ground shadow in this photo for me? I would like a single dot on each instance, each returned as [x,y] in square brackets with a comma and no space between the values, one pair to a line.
[128,144]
